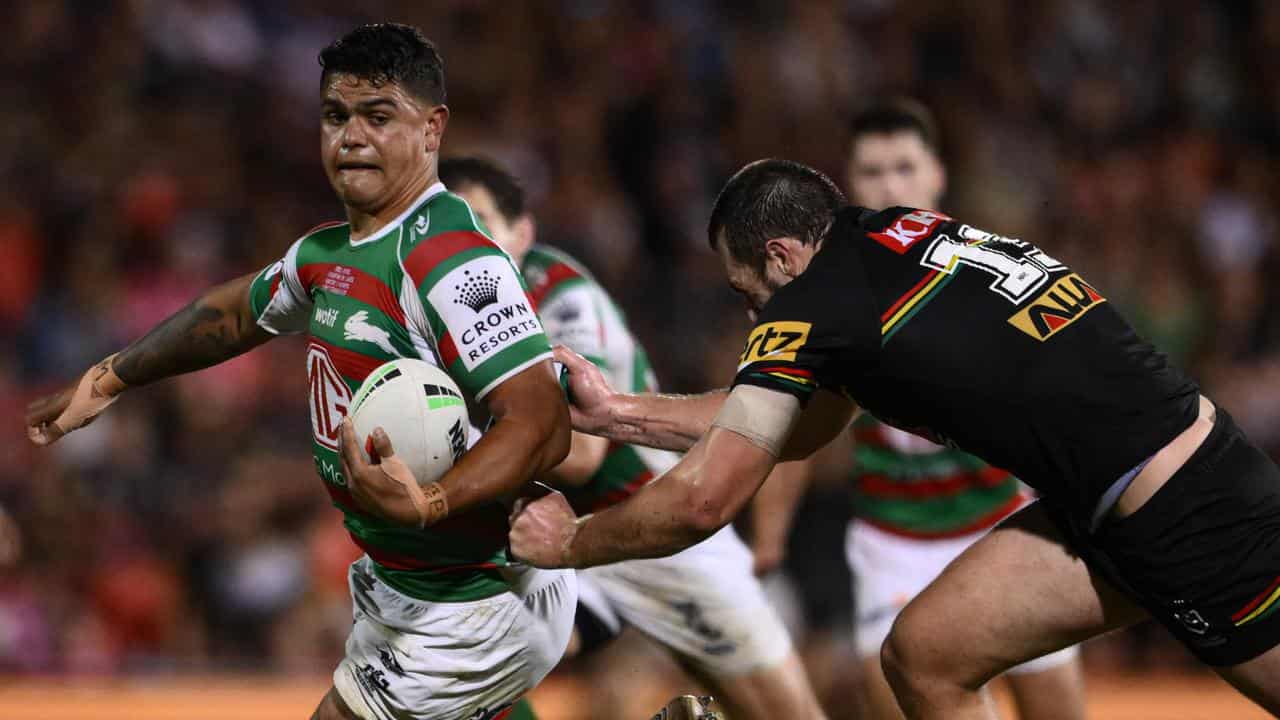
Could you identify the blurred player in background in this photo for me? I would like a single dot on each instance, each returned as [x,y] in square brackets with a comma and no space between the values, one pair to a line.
[703,604]
[444,627]
[917,504]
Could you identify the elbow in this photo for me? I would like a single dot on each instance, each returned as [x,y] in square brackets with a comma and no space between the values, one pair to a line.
[705,512]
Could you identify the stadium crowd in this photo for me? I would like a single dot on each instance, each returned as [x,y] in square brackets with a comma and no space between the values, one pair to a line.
[154,148]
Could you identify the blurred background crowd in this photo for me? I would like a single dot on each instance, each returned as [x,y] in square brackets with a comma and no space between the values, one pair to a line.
[154,147]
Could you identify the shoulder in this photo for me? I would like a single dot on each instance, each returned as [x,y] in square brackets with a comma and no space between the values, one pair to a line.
[549,270]
[440,235]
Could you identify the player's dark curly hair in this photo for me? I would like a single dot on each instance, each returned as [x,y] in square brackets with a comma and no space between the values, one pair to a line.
[508,195]
[772,199]
[385,53]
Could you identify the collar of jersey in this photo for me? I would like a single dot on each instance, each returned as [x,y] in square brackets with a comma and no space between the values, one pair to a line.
[426,195]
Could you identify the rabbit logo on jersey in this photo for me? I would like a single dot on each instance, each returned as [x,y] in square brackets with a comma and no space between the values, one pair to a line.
[484,307]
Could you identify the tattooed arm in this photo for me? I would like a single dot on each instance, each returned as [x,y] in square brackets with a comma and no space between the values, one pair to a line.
[215,327]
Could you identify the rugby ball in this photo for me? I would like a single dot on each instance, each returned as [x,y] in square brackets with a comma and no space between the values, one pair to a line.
[422,411]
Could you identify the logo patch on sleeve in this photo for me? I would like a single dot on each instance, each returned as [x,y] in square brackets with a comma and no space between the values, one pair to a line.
[908,230]
[1066,301]
[775,342]
[484,308]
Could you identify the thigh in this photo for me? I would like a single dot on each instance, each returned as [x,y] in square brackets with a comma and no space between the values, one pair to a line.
[1016,594]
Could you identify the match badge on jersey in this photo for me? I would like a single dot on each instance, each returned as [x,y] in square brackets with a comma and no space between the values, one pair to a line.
[775,342]
[688,707]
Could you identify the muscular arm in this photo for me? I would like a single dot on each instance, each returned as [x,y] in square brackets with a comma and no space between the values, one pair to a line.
[529,436]
[586,455]
[216,326]
[669,422]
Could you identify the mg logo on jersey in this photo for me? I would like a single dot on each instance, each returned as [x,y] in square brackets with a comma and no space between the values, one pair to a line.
[358,328]
[775,342]
[330,396]
[908,230]
[1066,301]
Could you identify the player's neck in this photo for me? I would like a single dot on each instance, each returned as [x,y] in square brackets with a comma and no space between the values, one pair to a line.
[363,224]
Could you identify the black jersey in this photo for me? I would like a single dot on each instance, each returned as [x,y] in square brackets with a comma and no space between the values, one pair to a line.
[976,341]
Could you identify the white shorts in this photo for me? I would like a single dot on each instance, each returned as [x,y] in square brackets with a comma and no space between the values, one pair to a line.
[704,603]
[409,658]
[889,570]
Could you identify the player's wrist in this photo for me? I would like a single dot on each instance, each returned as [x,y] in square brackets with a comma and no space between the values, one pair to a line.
[572,553]
[104,378]
[430,502]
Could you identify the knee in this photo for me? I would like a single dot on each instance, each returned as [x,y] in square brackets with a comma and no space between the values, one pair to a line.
[916,661]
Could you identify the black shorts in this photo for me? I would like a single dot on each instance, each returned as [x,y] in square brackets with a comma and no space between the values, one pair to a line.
[1203,554]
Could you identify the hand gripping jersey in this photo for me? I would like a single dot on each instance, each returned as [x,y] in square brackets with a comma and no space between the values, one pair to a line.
[428,285]
[578,313]
[975,341]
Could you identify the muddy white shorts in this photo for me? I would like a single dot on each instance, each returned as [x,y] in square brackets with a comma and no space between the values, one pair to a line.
[889,570]
[704,603]
[420,660]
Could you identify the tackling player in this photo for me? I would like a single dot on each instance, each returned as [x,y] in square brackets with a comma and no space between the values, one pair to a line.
[443,626]
[1153,502]
[703,604]
[918,504]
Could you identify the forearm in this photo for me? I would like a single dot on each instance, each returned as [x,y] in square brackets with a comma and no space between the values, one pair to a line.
[669,422]
[688,504]
[512,452]
[215,327]
[586,454]
[774,505]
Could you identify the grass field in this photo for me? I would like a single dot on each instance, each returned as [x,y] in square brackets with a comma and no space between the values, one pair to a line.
[1130,698]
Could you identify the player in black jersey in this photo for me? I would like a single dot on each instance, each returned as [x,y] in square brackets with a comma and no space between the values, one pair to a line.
[1153,501]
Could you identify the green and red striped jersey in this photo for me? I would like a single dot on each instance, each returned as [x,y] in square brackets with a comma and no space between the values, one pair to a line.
[907,485]
[429,285]
[577,312]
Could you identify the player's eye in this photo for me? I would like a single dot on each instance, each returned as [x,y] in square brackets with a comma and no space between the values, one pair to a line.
[906,168]
[335,118]
[379,119]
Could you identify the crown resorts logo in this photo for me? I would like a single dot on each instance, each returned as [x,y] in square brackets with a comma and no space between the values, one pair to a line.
[477,291]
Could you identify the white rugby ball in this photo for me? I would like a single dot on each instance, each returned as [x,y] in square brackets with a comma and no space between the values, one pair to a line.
[422,411]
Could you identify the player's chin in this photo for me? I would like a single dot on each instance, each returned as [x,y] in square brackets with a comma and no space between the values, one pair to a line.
[358,188]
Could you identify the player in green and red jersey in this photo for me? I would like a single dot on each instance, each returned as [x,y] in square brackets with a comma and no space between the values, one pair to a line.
[917,504]
[445,626]
[703,604]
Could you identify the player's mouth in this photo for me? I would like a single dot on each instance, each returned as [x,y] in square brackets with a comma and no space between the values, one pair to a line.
[351,165]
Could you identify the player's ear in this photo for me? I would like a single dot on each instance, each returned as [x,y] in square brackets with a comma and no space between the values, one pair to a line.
[778,252]
[437,118]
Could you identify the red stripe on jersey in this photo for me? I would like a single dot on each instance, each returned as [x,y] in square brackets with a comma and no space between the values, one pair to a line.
[434,250]
[556,274]
[448,349]
[894,307]
[982,523]
[353,283]
[353,365]
[396,561]
[886,487]
[613,497]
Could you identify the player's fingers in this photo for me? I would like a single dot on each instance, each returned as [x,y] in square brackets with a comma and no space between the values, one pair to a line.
[348,446]
[569,358]
[516,509]
[382,444]
[44,409]
[45,433]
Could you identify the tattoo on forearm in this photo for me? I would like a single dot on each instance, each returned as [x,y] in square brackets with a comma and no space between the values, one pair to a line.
[193,338]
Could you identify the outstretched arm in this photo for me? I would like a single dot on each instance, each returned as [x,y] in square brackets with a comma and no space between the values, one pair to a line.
[215,327]
[669,422]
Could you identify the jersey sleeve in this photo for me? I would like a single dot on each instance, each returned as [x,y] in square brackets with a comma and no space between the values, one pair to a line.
[277,297]
[812,334]
[572,316]
[477,308]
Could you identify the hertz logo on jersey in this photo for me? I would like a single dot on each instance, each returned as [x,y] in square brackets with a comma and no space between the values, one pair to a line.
[1062,304]
[775,342]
